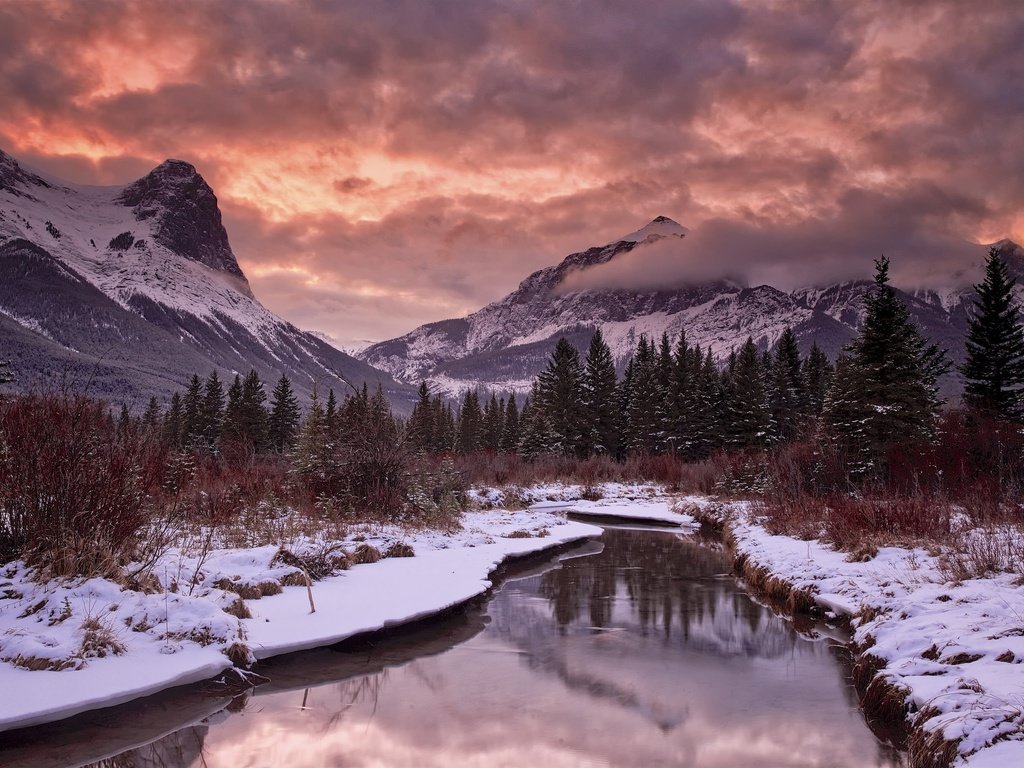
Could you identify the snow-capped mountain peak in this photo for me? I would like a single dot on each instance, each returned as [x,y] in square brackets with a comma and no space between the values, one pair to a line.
[140,277]
[660,227]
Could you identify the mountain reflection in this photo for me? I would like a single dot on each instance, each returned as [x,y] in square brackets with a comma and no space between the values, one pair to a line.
[646,653]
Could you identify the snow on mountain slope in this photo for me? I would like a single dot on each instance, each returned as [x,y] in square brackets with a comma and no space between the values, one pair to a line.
[179,302]
[507,343]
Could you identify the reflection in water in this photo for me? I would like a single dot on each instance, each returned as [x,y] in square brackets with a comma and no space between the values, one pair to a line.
[645,654]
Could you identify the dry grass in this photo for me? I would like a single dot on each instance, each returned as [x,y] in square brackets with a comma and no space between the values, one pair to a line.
[365,554]
[400,549]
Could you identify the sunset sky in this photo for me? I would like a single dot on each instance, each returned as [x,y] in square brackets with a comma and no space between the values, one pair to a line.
[384,164]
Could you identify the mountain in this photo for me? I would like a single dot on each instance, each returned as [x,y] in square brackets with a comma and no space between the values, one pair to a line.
[126,291]
[507,343]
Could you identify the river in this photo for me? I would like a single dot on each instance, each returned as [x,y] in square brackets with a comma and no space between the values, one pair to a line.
[637,649]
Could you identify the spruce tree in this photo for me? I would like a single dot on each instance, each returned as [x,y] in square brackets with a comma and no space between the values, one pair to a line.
[643,431]
[600,410]
[817,374]
[253,412]
[284,416]
[174,422]
[749,418]
[192,426]
[470,423]
[560,399]
[994,369]
[232,429]
[889,387]
[151,418]
[510,433]
[212,412]
[788,394]
[421,422]
[494,416]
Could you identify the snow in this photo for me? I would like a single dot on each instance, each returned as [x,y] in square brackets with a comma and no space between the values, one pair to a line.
[656,229]
[918,613]
[651,510]
[88,217]
[151,642]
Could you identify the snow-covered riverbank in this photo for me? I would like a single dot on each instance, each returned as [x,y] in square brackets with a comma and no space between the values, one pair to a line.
[953,651]
[71,646]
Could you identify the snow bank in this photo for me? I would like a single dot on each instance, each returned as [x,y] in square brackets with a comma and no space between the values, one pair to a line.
[956,649]
[73,646]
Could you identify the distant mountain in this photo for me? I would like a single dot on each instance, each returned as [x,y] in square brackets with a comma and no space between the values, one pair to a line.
[126,291]
[507,343]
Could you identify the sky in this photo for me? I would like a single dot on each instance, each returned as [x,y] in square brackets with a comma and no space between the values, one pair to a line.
[384,164]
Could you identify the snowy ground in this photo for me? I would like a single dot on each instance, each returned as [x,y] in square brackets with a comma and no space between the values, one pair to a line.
[70,646]
[957,648]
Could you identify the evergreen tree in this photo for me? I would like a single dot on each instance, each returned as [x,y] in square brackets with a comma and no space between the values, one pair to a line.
[748,416]
[331,414]
[494,416]
[284,416]
[313,455]
[5,372]
[600,409]
[151,418]
[994,369]
[212,412]
[470,423]
[817,374]
[537,437]
[192,425]
[174,422]
[232,429]
[253,412]
[788,395]
[560,398]
[888,392]
[680,398]
[510,433]
[124,421]
[422,421]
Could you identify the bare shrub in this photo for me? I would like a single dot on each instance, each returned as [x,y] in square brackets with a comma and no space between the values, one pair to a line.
[75,492]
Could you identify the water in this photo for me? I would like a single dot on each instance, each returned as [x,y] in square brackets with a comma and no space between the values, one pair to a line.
[639,650]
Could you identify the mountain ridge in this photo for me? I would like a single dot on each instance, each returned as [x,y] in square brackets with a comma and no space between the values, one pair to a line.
[506,343]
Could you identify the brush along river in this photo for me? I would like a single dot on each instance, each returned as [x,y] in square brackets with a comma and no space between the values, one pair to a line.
[638,648]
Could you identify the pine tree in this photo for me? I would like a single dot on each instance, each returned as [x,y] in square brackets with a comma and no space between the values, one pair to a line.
[253,412]
[422,421]
[313,455]
[680,398]
[494,416]
[888,390]
[212,412]
[470,423]
[600,411]
[748,416]
[643,431]
[817,374]
[994,369]
[788,395]
[151,419]
[192,426]
[5,372]
[232,429]
[284,416]
[174,422]
[560,399]
[510,433]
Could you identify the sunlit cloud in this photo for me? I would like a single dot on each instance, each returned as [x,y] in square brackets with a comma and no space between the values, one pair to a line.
[421,158]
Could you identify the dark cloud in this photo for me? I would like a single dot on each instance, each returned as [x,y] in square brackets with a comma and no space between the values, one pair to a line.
[386,163]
